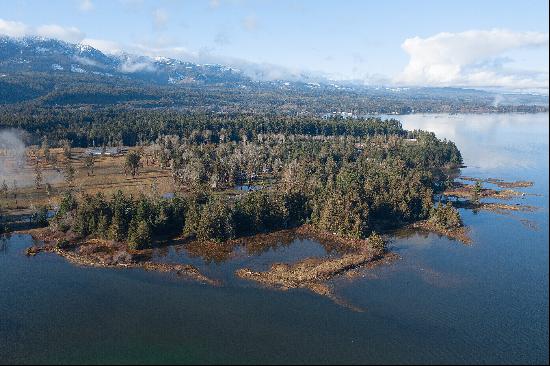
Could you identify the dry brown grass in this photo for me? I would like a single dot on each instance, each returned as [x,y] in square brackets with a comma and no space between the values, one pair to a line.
[107,178]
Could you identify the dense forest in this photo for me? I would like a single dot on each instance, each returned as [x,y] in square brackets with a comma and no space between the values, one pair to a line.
[114,126]
[347,177]
[69,90]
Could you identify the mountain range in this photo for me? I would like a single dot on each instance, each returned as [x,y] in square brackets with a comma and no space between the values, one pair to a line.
[41,70]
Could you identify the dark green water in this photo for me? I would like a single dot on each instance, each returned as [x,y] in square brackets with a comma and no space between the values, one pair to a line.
[442,302]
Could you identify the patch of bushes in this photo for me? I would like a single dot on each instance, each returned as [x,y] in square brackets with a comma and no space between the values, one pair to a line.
[445,217]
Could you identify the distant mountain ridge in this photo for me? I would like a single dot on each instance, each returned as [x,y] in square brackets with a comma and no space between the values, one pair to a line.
[50,55]
[51,72]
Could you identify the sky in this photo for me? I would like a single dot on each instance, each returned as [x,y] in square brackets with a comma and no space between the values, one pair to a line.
[485,44]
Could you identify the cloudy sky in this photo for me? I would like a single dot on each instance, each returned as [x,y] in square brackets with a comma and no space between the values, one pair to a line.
[485,43]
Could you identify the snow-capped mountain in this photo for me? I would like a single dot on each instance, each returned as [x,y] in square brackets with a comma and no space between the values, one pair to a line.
[55,72]
[54,56]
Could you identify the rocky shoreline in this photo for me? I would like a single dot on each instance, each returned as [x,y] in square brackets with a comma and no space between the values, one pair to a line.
[109,254]
[500,183]
[313,274]
[461,234]
[461,190]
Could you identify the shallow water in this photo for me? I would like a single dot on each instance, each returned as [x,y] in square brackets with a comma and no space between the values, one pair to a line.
[441,302]
[248,187]
[223,264]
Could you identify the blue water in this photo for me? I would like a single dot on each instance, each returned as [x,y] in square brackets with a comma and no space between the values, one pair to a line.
[441,302]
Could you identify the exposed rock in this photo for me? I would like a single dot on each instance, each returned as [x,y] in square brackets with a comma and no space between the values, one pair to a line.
[313,273]
[501,183]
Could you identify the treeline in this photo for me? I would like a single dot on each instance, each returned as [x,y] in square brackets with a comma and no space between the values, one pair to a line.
[122,218]
[214,91]
[113,126]
[138,221]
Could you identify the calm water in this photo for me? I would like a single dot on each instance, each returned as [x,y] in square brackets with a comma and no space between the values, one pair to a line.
[442,302]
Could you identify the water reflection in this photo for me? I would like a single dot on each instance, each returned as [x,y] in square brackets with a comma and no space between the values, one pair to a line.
[488,141]
[281,246]
[441,303]
[4,241]
[248,188]
[168,195]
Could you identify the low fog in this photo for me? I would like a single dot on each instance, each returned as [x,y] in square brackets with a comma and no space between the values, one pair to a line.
[12,154]
[13,160]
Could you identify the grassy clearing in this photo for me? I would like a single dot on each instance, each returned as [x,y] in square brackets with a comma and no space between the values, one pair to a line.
[108,177]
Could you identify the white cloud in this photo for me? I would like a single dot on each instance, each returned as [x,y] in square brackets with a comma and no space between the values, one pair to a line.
[255,70]
[86,5]
[162,47]
[268,72]
[129,67]
[103,45]
[136,64]
[19,29]
[160,18]
[85,61]
[13,28]
[69,34]
[159,46]
[473,58]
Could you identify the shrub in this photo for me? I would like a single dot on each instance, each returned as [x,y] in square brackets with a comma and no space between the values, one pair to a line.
[445,217]
[139,236]
[216,221]
[377,242]
[63,244]
[68,203]
[40,216]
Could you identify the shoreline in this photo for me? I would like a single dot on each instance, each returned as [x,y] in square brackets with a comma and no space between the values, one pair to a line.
[461,234]
[311,273]
[343,256]
[114,256]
